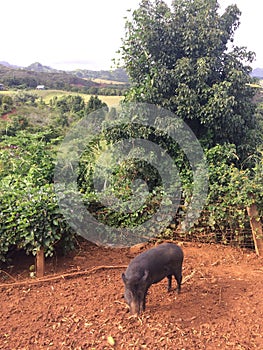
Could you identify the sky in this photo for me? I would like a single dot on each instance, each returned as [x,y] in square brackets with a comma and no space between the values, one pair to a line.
[86,34]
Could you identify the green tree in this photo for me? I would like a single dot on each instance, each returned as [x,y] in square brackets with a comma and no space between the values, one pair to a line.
[69,104]
[6,104]
[94,104]
[178,58]
[16,124]
[25,98]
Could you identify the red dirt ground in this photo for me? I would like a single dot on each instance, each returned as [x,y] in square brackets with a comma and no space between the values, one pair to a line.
[220,306]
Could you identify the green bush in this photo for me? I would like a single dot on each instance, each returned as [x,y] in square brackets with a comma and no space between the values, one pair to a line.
[231,191]
[30,217]
[6,104]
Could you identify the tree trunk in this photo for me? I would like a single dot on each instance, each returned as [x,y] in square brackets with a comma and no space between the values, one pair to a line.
[40,263]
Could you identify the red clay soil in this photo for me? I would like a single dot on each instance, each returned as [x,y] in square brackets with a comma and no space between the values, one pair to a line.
[220,306]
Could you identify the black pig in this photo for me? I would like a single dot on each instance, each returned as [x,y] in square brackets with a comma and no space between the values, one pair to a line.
[151,267]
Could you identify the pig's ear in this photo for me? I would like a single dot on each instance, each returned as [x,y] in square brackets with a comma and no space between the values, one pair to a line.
[145,276]
[124,278]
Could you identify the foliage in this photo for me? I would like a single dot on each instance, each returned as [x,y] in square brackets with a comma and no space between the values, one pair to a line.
[68,103]
[231,191]
[16,124]
[179,58]
[37,111]
[127,180]
[23,97]
[6,104]
[30,217]
[117,75]
[232,188]
[26,155]
[94,104]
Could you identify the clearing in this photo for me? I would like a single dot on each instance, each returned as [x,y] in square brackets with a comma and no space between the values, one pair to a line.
[220,306]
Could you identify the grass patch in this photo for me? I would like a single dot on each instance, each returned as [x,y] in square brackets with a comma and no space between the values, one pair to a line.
[7,92]
[108,82]
[48,95]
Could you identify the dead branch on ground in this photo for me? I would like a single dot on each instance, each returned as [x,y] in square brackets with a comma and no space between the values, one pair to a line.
[58,277]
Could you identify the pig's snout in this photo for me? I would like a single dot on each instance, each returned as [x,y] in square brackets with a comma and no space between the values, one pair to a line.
[134,308]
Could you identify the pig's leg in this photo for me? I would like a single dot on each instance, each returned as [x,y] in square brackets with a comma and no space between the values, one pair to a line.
[169,286]
[144,300]
[178,278]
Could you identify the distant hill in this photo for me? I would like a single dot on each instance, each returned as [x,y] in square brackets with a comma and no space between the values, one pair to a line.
[118,74]
[257,73]
[30,78]
[38,67]
[6,64]
[87,81]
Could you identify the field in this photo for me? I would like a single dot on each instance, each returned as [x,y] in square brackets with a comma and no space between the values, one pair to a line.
[7,92]
[108,82]
[79,305]
[47,95]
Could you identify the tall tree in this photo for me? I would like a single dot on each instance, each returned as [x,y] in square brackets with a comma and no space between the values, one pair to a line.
[182,58]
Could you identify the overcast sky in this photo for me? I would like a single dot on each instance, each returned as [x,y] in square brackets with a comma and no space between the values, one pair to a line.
[87,33]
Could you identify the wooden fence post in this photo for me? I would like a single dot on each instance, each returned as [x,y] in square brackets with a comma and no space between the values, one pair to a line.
[256,227]
[40,263]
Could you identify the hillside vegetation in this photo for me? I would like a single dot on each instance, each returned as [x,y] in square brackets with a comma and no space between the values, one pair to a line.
[109,83]
[22,78]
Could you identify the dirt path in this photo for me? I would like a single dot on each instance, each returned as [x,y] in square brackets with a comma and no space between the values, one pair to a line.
[220,305]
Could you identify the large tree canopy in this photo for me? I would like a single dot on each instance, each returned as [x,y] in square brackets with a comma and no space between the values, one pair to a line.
[182,58]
